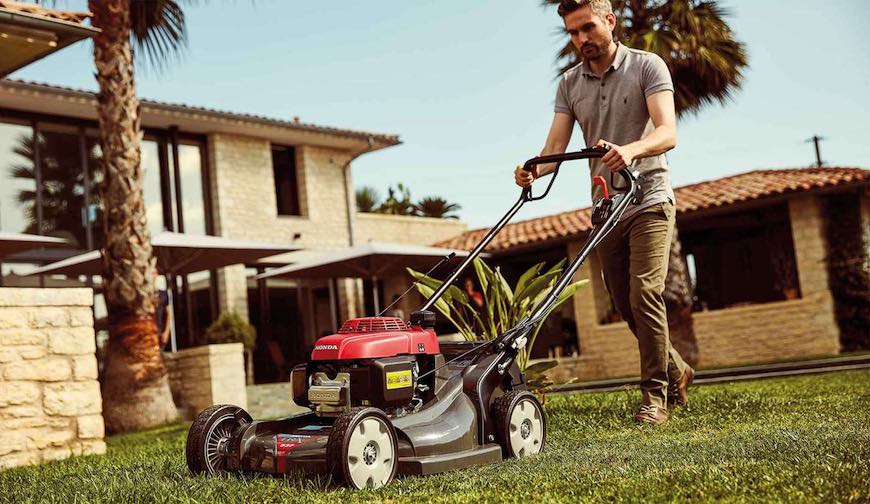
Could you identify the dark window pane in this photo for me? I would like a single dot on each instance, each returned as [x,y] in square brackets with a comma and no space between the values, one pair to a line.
[199,284]
[286,188]
[63,185]
[17,179]
[94,212]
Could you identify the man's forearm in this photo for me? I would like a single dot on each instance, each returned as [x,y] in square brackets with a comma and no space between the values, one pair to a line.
[662,139]
[545,169]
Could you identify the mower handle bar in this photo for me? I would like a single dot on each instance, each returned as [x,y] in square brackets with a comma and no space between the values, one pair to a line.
[507,345]
[526,195]
[589,153]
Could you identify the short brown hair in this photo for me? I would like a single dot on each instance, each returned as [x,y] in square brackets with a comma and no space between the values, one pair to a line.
[601,8]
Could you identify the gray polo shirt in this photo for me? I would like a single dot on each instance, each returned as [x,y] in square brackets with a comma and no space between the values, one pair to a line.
[614,109]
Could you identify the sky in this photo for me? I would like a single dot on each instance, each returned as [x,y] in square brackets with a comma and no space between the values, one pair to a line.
[469,87]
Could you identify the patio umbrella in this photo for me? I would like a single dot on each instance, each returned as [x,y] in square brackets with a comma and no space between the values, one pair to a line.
[12,243]
[371,260]
[177,254]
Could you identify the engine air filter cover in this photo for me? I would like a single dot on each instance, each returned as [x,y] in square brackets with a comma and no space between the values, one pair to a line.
[373,324]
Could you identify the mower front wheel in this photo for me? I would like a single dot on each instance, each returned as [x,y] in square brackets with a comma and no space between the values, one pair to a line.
[363,449]
[520,424]
[208,437]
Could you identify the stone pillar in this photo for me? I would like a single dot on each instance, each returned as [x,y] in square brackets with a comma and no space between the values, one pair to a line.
[233,290]
[50,402]
[205,375]
[809,251]
[584,301]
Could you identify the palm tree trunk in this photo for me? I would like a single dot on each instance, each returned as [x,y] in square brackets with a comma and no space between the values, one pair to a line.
[135,385]
[678,300]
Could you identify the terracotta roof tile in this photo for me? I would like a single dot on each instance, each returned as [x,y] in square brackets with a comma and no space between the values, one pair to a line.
[703,195]
[38,10]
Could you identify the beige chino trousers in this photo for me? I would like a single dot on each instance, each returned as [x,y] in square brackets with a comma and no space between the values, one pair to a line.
[634,261]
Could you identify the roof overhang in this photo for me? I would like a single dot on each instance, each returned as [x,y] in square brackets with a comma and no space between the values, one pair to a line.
[57,101]
[26,37]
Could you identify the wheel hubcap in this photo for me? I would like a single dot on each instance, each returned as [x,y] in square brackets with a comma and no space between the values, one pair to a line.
[526,429]
[370,454]
[216,440]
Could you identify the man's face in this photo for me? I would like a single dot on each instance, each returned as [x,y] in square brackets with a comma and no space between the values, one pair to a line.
[590,34]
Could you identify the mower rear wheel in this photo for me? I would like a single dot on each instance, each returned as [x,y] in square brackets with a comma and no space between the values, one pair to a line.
[208,437]
[363,449]
[520,424]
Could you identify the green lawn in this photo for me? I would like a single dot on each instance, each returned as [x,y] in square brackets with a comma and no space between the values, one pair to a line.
[794,439]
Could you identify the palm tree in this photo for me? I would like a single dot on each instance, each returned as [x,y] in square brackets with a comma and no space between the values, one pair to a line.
[135,385]
[366,199]
[707,66]
[400,204]
[433,206]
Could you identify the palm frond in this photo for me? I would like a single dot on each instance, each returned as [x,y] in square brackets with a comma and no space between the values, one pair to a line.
[159,30]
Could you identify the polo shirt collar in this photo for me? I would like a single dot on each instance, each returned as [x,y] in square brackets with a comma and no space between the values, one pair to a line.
[621,53]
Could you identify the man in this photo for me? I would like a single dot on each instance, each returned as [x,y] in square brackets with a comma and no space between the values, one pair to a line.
[163,314]
[624,99]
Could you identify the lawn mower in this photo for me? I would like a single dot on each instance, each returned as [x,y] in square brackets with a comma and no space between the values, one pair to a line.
[385,398]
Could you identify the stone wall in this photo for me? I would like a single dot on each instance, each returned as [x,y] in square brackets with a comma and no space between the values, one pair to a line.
[50,402]
[769,332]
[205,375]
[405,229]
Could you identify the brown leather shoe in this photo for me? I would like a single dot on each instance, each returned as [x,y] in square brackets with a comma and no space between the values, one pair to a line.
[678,392]
[651,415]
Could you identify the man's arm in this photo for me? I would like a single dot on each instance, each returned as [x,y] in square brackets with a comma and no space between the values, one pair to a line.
[167,326]
[662,139]
[557,142]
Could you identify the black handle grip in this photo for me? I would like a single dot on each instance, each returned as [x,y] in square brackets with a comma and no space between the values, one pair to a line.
[592,152]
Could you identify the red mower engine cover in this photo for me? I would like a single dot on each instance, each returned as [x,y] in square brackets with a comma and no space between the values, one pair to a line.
[375,337]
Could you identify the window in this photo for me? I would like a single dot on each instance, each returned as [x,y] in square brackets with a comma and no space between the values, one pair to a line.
[17,179]
[286,187]
[49,184]
[742,258]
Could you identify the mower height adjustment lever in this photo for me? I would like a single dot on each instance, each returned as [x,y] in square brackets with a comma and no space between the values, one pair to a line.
[601,209]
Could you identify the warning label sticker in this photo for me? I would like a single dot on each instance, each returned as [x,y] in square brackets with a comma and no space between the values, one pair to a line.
[398,379]
[284,445]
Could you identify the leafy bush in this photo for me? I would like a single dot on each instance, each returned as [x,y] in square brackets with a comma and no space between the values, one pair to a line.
[231,328]
[503,307]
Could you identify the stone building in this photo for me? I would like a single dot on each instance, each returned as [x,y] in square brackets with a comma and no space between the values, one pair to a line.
[756,246]
[205,172]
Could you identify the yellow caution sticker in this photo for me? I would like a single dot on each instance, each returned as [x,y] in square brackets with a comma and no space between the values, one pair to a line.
[398,379]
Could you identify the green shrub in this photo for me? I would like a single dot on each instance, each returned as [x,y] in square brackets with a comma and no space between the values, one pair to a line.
[504,306]
[231,328]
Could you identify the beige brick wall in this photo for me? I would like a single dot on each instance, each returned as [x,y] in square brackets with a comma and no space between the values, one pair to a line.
[769,332]
[244,202]
[243,190]
[405,229]
[202,376]
[50,402]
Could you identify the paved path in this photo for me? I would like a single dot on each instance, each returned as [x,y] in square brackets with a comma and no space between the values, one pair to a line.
[271,400]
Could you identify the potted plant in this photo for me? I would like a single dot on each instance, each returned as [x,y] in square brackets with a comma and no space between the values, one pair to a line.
[231,328]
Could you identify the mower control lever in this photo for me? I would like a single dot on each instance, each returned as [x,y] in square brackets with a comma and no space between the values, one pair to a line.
[599,181]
